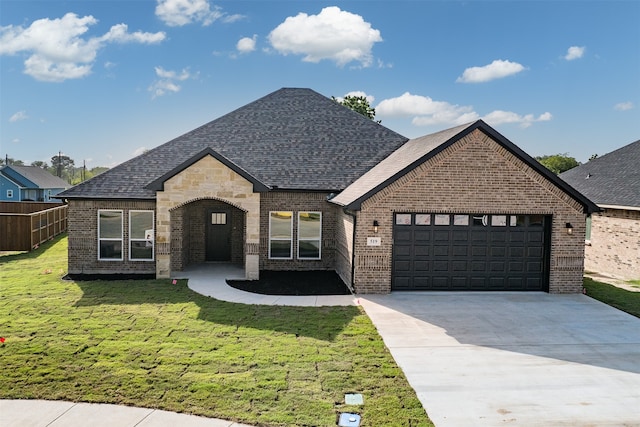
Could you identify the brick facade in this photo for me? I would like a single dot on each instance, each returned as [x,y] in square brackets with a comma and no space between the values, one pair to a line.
[298,202]
[83,238]
[614,247]
[474,175]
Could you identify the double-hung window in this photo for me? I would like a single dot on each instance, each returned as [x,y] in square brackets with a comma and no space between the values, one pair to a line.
[309,235]
[141,232]
[280,235]
[110,235]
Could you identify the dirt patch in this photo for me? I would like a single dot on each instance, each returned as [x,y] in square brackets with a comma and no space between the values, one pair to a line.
[294,283]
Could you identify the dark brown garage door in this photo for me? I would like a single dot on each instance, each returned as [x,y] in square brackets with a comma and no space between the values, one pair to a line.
[470,252]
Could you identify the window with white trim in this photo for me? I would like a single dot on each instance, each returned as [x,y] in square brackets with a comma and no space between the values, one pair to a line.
[280,235]
[141,233]
[9,194]
[110,235]
[309,235]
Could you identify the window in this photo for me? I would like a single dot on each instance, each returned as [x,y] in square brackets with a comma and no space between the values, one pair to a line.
[9,194]
[309,235]
[442,219]
[141,232]
[280,235]
[403,219]
[587,235]
[423,219]
[218,218]
[109,235]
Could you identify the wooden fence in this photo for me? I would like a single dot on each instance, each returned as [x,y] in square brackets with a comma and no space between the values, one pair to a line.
[25,225]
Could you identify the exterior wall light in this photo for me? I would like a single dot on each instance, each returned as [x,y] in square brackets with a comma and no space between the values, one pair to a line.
[375,226]
[569,228]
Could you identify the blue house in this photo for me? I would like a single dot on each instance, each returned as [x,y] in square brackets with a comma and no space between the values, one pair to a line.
[29,183]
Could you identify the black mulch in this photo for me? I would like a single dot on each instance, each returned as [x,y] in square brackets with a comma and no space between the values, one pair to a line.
[294,283]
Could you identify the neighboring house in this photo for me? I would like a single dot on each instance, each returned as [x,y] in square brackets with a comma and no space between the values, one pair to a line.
[29,183]
[613,236]
[295,181]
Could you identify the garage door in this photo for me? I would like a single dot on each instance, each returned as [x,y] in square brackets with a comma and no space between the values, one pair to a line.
[470,252]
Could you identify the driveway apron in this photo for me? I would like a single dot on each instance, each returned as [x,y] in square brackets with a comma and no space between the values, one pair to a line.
[514,359]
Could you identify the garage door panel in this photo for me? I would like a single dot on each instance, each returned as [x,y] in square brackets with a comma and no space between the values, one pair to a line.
[402,250]
[460,251]
[440,266]
[441,235]
[441,250]
[402,266]
[421,266]
[484,252]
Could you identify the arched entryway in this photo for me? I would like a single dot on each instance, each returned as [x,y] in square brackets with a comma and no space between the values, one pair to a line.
[207,230]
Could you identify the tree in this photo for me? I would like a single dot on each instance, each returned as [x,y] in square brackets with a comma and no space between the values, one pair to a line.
[40,164]
[62,166]
[10,161]
[558,163]
[359,104]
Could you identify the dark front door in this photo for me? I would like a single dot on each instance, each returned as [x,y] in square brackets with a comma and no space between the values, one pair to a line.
[470,252]
[218,236]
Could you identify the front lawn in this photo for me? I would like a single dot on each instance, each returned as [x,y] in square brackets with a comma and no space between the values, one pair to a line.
[616,297]
[158,345]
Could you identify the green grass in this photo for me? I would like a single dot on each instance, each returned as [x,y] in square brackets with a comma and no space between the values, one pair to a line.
[616,297]
[158,345]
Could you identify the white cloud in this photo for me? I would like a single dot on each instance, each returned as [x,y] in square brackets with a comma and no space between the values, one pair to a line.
[58,52]
[140,150]
[333,34]
[369,98]
[20,115]
[176,13]
[499,117]
[624,106]
[167,81]
[427,112]
[496,70]
[247,44]
[574,52]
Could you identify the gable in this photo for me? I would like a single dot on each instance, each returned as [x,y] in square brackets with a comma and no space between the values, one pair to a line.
[420,150]
[222,167]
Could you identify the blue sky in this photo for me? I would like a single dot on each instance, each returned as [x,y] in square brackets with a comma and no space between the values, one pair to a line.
[103,80]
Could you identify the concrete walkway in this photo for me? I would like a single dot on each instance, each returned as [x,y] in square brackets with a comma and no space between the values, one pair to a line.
[514,359]
[210,279]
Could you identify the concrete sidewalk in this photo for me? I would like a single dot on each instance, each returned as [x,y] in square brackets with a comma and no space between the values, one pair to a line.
[47,413]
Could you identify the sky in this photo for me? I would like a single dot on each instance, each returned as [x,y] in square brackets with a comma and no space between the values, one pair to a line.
[104,80]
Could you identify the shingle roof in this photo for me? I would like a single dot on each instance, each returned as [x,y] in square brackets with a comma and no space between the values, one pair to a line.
[397,164]
[291,139]
[613,179]
[418,150]
[40,177]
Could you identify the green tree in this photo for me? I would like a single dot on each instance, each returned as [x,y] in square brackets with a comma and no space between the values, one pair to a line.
[11,161]
[40,164]
[558,163]
[62,166]
[359,104]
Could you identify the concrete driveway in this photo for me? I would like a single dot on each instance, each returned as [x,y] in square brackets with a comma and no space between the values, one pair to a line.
[514,359]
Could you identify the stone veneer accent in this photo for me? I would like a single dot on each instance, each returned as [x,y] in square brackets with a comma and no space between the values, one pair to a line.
[208,178]
[474,175]
[83,238]
[614,248]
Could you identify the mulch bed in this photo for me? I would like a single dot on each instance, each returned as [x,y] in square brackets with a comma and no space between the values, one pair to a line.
[294,283]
